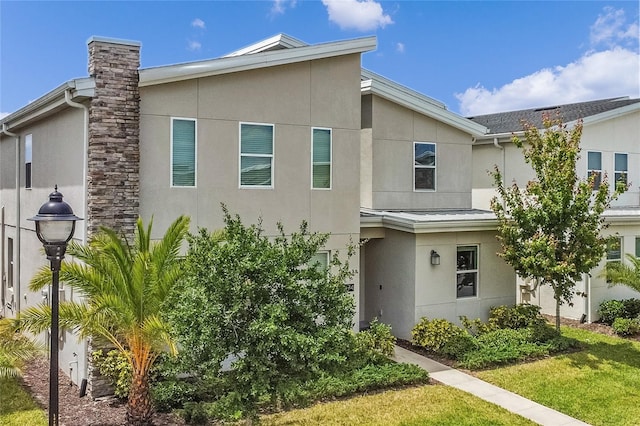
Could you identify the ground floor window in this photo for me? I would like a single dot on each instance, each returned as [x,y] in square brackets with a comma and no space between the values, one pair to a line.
[467,271]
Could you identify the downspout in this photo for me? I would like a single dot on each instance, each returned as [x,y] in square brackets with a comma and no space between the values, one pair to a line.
[67,98]
[16,263]
[501,148]
[85,159]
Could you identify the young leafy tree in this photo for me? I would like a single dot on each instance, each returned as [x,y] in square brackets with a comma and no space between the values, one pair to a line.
[262,303]
[551,229]
[124,287]
[621,273]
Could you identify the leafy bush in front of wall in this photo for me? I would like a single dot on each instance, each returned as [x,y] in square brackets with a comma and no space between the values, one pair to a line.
[477,326]
[457,347]
[377,339]
[631,308]
[610,310]
[115,366]
[626,326]
[502,346]
[516,316]
[434,334]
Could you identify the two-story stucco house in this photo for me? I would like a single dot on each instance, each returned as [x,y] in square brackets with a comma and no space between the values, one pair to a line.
[272,133]
[610,147]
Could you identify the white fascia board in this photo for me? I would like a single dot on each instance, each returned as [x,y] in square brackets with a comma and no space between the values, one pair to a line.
[429,224]
[417,102]
[608,115]
[82,88]
[278,39]
[173,73]
[623,216]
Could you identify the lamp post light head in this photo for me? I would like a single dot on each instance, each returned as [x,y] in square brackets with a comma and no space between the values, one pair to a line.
[55,225]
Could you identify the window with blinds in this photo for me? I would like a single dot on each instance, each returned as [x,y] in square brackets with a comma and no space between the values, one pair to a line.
[256,155]
[183,152]
[321,158]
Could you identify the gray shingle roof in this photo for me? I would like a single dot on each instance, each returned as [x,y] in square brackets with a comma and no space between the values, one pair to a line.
[507,122]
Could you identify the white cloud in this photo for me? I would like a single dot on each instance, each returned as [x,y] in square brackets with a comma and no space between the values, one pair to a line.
[611,29]
[360,15]
[400,47]
[198,23]
[193,45]
[4,114]
[279,6]
[596,75]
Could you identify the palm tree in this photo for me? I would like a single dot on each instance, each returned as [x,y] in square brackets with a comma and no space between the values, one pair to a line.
[622,273]
[15,348]
[124,287]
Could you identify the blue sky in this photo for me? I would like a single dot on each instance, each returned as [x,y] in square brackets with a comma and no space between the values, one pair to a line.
[475,56]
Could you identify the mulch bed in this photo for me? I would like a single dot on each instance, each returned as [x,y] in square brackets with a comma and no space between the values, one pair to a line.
[77,411]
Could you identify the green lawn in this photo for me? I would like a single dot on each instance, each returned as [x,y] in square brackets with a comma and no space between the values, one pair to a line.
[16,406]
[425,405]
[599,385]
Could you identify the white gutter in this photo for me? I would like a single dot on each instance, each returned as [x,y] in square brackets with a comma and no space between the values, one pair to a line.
[16,263]
[67,98]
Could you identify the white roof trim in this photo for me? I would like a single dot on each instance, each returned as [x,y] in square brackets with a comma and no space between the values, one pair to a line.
[277,40]
[402,95]
[434,222]
[173,73]
[82,88]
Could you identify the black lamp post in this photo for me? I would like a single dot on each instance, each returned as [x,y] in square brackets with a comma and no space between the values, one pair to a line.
[55,224]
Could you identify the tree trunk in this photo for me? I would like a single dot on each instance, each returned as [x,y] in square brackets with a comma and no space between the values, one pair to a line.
[139,406]
[558,315]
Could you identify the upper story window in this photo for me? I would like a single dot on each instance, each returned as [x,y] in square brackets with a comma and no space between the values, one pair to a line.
[467,271]
[321,158]
[637,246]
[594,168]
[183,152]
[28,153]
[320,260]
[256,155]
[620,168]
[424,166]
[614,249]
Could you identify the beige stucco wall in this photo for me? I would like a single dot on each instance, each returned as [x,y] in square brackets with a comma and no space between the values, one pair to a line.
[294,98]
[57,158]
[412,288]
[394,130]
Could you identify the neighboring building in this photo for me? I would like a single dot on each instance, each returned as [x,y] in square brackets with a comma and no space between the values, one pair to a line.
[610,147]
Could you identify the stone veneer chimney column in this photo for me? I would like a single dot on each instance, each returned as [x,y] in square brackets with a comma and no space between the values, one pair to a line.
[113,168]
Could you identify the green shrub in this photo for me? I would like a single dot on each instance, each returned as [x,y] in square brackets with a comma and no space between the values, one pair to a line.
[114,366]
[434,334]
[168,394]
[562,344]
[631,308]
[477,326]
[626,326]
[541,332]
[517,316]
[502,346]
[377,338]
[610,310]
[194,413]
[458,346]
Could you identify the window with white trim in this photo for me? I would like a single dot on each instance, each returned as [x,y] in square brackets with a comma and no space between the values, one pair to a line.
[28,155]
[614,249]
[183,152]
[594,168]
[467,271]
[321,158]
[10,262]
[320,260]
[424,166]
[620,168]
[256,155]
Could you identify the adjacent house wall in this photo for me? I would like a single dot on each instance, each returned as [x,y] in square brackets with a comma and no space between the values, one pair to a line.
[395,129]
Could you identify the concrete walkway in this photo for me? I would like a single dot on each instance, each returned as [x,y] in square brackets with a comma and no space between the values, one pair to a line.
[509,400]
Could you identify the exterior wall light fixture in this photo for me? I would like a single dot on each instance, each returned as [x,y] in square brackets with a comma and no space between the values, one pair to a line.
[435,258]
